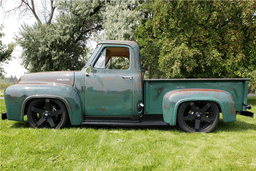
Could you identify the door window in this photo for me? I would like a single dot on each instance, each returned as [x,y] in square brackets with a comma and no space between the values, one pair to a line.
[114,58]
[102,60]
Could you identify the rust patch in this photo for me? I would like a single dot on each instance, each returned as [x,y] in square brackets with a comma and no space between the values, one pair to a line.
[233,109]
[109,78]
[101,83]
[139,83]
[160,90]
[120,83]
[137,62]
[102,109]
[102,87]
[165,107]
[216,96]
[234,90]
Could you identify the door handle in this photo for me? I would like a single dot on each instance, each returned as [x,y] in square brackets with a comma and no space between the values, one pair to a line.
[127,77]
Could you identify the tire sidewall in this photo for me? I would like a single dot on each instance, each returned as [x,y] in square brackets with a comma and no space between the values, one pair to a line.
[64,117]
[185,128]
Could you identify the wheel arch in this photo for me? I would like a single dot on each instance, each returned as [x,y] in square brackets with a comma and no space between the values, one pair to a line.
[173,99]
[65,102]
[217,102]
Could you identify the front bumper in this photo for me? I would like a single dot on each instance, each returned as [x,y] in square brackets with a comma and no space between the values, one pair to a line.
[4,116]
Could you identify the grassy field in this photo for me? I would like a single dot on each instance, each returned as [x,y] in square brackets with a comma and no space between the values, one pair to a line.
[1,93]
[230,147]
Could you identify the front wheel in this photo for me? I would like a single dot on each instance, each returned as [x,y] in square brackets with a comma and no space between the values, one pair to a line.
[198,116]
[47,113]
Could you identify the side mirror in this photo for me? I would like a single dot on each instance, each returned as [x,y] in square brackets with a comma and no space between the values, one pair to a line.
[87,73]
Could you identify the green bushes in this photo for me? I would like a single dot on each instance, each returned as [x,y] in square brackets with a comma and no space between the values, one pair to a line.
[3,86]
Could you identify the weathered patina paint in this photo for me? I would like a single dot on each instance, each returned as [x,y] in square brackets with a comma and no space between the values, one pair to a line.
[116,93]
[154,90]
[62,77]
[109,92]
[173,99]
[57,85]
[138,81]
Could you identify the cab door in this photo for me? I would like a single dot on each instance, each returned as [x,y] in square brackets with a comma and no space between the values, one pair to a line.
[109,85]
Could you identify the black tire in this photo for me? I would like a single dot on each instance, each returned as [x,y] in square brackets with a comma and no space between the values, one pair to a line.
[47,113]
[198,116]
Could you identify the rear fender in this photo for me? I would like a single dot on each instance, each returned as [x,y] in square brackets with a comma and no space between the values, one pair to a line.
[173,99]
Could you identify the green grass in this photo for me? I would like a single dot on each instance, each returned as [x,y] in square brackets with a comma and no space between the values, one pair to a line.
[230,147]
[1,93]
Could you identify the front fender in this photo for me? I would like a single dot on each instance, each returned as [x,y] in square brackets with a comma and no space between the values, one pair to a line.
[173,99]
[18,96]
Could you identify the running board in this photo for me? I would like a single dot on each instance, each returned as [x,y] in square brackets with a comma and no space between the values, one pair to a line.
[126,123]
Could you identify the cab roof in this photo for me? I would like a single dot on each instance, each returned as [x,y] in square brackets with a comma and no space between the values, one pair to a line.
[130,43]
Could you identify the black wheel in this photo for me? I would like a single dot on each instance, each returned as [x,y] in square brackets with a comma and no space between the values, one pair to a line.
[198,116]
[47,113]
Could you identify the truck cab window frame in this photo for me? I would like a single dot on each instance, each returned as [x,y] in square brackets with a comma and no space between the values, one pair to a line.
[113,58]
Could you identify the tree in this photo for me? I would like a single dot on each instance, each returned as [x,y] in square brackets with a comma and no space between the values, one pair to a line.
[61,45]
[120,19]
[252,83]
[42,10]
[5,52]
[120,22]
[201,38]
[149,46]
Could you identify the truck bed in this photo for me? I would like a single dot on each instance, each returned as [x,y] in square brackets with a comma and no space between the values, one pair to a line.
[155,89]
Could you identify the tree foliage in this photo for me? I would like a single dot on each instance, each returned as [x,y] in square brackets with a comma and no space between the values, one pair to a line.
[149,46]
[61,45]
[120,19]
[199,38]
[5,52]
[177,39]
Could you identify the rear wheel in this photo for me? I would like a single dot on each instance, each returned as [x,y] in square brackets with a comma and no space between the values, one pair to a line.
[198,116]
[47,113]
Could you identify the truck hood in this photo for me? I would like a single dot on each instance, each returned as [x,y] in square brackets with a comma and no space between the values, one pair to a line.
[63,77]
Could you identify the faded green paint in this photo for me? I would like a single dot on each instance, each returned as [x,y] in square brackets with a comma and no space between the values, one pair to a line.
[155,90]
[108,92]
[245,87]
[111,92]
[173,99]
[17,96]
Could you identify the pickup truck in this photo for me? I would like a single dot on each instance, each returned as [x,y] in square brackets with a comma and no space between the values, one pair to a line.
[110,90]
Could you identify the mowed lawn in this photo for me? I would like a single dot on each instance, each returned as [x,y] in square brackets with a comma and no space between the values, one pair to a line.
[1,93]
[232,146]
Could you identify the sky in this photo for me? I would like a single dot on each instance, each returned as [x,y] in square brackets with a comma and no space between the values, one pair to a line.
[11,25]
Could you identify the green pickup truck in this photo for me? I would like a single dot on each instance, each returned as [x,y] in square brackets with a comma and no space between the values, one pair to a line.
[110,90]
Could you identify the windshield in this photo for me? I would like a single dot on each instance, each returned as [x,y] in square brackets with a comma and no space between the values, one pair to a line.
[92,56]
